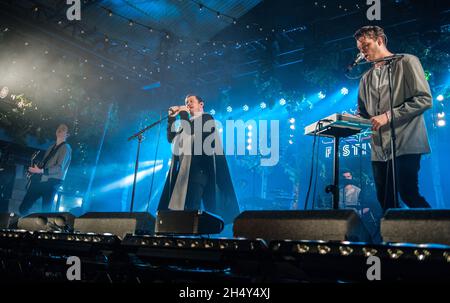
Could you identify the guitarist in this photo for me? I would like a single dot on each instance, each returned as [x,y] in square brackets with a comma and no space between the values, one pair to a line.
[50,174]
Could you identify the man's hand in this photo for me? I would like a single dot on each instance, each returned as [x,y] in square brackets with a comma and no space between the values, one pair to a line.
[379,121]
[175,110]
[35,170]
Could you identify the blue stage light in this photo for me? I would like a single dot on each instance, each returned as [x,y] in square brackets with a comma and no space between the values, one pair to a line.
[229,109]
[245,108]
[344,91]
[212,112]
[263,105]
[321,95]
[292,120]
[127,181]
[282,101]
[441,123]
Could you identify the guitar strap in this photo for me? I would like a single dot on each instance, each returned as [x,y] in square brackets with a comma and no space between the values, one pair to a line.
[51,154]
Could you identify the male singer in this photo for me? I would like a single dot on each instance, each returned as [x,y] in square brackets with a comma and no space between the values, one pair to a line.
[411,98]
[197,176]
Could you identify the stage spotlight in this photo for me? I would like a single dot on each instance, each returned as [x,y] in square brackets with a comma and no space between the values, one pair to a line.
[441,115]
[292,126]
[245,108]
[441,123]
[292,120]
[291,142]
[282,101]
[344,91]
[249,141]
[229,109]
[250,127]
[249,134]
[212,112]
[263,105]
[249,147]
[321,95]
[78,201]
[440,98]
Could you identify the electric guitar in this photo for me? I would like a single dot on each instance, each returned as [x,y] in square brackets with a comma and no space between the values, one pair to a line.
[30,176]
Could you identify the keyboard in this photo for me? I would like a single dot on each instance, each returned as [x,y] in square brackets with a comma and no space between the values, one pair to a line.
[337,125]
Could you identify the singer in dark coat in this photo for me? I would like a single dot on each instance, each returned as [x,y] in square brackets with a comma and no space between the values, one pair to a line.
[194,176]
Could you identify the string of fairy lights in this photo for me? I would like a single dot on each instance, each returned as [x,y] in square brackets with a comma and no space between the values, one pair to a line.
[202,48]
[268,32]
[182,55]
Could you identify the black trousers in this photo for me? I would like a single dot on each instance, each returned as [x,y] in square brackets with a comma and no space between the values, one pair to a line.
[408,167]
[44,190]
[198,180]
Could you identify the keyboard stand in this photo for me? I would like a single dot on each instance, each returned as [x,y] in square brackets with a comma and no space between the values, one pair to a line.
[336,132]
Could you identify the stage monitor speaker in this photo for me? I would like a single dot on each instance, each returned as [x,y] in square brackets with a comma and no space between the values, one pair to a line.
[8,220]
[416,226]
[116,223]
[328,225]
[47,222]
[189,222]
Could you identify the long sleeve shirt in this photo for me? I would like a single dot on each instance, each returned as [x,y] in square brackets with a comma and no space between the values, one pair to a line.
[411,96]
[57,166]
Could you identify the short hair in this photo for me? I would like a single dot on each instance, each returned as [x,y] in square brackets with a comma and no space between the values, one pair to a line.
[371,31]
[63,126]
[196,97]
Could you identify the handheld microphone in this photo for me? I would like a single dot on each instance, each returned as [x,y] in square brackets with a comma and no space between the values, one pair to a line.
[173,109]
[355,62]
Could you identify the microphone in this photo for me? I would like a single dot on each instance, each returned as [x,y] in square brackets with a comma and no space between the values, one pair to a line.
[176,109]
[173,109]
[355,62]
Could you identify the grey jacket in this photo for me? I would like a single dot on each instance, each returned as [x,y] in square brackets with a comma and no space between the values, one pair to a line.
[412,97]
[57,166]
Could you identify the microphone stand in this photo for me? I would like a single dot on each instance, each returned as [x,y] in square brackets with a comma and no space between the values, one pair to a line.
[389,61]
[140,137]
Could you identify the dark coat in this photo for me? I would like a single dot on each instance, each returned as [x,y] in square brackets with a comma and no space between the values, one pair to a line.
[219,197]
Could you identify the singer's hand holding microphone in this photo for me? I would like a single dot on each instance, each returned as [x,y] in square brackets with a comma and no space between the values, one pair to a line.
[175,110]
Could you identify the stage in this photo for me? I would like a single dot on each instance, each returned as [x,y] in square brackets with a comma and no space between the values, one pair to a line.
[261,257]
[233,141]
